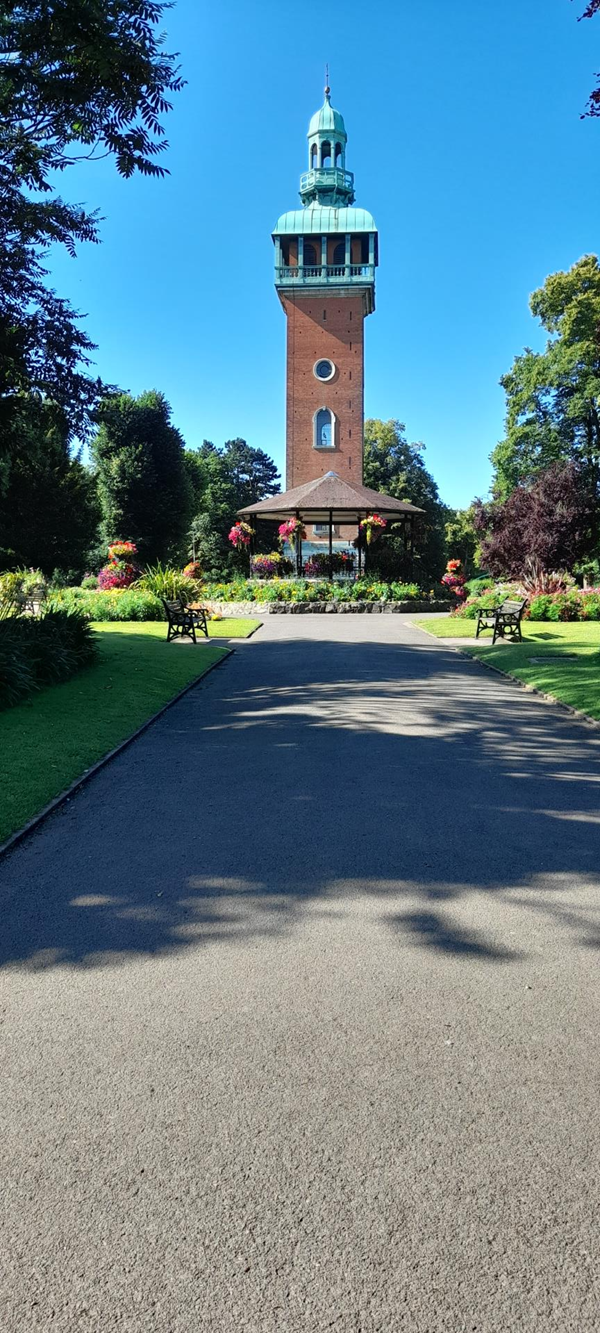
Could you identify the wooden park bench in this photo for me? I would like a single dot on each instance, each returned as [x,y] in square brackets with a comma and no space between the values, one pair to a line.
[504,620]
[183,620]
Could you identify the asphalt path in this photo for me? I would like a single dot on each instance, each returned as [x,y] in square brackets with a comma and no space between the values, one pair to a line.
[299,1006]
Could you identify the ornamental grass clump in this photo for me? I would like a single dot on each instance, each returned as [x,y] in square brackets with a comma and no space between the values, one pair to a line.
[168,582]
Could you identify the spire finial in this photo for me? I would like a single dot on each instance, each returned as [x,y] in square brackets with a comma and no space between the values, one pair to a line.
[327,88]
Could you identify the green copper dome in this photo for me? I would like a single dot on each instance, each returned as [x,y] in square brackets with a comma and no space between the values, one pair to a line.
[319,220]
[327,119]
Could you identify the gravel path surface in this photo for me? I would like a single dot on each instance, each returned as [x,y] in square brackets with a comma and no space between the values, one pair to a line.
[299,1008]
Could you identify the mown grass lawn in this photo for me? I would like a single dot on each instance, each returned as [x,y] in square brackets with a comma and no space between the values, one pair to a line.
[574,682]
[49,740]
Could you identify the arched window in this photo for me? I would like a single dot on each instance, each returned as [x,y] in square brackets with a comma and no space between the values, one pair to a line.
[339,254]
[338,154]
[324,425]
[313,156]
[310,255]
[326,154]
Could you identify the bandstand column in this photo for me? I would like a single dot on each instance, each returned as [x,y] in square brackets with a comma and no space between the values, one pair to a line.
[298,550]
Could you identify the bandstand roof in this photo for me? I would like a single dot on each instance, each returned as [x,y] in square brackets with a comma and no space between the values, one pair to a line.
[316,499]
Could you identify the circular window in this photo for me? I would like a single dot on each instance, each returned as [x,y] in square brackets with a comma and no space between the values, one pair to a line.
[324,370]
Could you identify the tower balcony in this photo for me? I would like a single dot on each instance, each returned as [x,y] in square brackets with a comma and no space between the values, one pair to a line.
[327,278]
[320,275]
[325,183]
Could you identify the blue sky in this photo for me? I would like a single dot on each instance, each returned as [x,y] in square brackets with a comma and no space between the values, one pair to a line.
[465,139]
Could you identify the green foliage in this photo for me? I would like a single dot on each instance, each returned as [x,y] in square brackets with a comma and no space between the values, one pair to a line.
[397,468]
[18,587]
[130,604]
[485,601]
[552,396]
[166,581]
[49,508]
[143,486]
[41,650]
[223,481]
[78,80]
[476,586]
[462,538]
[313,590]
[573,604]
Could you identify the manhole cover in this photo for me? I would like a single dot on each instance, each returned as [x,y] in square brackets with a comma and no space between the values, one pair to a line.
[558,657]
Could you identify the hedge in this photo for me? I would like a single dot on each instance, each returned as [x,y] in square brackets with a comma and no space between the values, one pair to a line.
[41,650]
[125,604]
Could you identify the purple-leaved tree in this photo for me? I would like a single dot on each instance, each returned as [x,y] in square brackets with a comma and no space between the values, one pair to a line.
[549,523]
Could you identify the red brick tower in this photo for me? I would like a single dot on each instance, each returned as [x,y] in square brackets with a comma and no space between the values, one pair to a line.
[325,259]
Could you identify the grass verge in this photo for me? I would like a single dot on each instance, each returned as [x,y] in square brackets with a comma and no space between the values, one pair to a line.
[572,679]
[230,627]
[448,628]
[50,739]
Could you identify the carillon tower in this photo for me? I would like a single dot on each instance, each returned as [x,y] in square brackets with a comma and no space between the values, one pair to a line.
[325,260]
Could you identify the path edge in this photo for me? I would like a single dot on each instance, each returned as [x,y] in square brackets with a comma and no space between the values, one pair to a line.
[577,713]
[63,796]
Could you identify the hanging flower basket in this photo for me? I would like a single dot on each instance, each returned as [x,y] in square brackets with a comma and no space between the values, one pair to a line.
[372,526]
[291,531]
[454,579]
[121,550]
[240,535]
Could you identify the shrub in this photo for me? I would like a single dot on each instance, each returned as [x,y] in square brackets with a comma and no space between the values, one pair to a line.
[570,604]
[575,604]
[125,604]
[302,590]
[42,650]
[89,581]
[486,601]
[19,585]
[476,586]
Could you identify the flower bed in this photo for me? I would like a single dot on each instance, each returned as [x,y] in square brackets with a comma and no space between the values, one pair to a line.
[119,604]
[274,565]
[244,596]
[574,604]
[318,590]
[320,564]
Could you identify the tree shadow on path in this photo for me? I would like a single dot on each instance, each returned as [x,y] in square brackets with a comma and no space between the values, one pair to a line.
[396,778]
